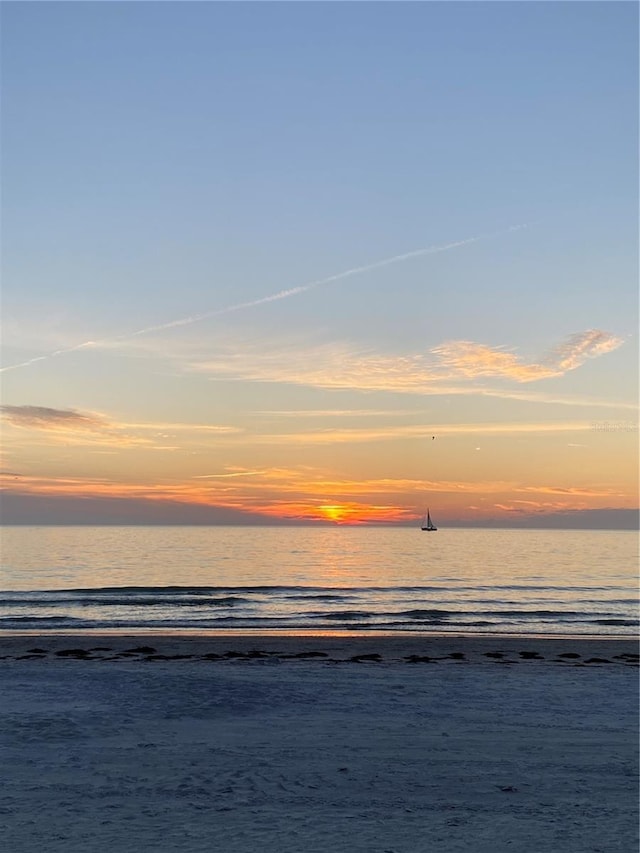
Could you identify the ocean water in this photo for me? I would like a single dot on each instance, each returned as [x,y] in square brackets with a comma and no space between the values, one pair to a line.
[205,579]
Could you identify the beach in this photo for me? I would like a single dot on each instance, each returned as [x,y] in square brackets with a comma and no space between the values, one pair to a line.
[320,743]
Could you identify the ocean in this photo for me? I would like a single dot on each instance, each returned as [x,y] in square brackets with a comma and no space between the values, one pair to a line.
[303,579]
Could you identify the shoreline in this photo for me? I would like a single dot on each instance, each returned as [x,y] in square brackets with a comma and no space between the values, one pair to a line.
[343,646]
[384,633]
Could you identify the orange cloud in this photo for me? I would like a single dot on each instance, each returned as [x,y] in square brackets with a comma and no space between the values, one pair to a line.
[579,347]
[308,503]
[338,365]
[472,360]
[312,495]
[69,426]
[520,507]
[573,490]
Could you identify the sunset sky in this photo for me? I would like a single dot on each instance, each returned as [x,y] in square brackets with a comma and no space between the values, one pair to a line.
[335,262]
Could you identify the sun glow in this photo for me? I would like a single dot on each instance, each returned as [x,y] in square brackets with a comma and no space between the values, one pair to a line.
[356,513]
[336,512]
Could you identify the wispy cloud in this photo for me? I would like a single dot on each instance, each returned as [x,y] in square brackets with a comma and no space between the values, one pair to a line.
[574,491]
[229,474]
[332,365]
[89,428]
[451,368]
[335,413]
[171,426]
[75,428]
[471,360]
[476,390]
[386,433]
[341,365]
[42,417]
[519,507]
[582,346]
[554,399]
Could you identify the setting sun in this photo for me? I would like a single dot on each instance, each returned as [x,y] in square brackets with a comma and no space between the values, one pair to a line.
[336,512]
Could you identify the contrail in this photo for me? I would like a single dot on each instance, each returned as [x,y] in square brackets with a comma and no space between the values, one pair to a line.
[49,355]
[303,288]
[273,297]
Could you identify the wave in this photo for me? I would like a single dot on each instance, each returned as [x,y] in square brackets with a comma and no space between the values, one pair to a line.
[24,620]
[401,608]
[305,590]
[347,620]
[425,614]
[122,601]
[318,597]
[347,615]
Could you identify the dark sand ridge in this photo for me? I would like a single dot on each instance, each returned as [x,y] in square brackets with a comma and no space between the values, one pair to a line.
[342,647]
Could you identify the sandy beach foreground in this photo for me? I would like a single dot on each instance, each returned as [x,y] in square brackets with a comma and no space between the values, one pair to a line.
[319,743]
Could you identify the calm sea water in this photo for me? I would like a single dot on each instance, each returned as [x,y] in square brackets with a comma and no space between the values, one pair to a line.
[313,579]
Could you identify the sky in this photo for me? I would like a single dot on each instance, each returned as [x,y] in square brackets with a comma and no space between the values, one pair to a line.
[316,262]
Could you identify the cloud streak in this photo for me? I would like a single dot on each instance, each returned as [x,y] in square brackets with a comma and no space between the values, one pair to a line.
[394,433]
[42,417]
[472,360]
[228,474]
[89,428]
[273,297]
[449,368]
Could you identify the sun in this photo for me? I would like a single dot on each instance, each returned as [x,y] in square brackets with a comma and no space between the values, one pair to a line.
[335,512]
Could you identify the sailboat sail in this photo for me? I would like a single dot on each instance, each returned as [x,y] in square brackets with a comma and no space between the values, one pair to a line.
[428,524]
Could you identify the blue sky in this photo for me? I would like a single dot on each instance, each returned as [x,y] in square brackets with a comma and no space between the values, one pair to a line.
[164,161]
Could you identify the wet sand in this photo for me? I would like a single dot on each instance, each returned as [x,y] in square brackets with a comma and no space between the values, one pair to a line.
[333,647]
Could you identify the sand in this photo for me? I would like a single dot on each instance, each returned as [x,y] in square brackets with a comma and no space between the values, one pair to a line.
[283,744]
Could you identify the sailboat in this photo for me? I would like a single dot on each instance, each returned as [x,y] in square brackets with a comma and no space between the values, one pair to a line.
[428,524]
